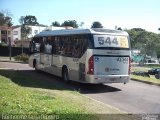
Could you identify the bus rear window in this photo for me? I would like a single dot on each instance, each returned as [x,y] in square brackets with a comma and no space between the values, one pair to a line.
[110,41]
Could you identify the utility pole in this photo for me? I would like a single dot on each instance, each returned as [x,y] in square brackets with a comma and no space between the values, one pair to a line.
[22,46]
[10,49]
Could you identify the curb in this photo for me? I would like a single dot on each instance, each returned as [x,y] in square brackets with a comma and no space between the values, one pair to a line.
[147,82]
[14,61]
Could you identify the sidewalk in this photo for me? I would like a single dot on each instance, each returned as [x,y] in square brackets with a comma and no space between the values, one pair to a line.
[3,59]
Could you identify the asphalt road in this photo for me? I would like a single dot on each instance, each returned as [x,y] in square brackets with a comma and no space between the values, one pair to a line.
[134,97]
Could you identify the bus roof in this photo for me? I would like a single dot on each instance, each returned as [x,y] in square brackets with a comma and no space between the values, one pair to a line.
[81,31]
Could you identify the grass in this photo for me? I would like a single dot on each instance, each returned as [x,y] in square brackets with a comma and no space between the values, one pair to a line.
[150,79]
[134,69]
[152,66]
[18,99]
[146,79]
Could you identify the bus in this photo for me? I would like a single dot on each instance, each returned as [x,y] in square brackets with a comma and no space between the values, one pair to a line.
[95,55]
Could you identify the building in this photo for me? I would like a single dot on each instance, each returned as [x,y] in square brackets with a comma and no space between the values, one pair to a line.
[55,28]
[14,34]
[5,34]
[16,30]
[35,29]
[17,38]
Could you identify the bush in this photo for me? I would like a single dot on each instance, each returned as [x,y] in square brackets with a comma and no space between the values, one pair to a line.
[3,44]
[22,57]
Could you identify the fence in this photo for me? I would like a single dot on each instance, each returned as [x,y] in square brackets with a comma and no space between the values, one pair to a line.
[4,51]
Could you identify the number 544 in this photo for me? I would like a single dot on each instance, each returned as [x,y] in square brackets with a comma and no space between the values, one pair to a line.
[107,40]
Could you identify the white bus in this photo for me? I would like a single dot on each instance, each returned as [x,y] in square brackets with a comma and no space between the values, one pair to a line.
[83,55]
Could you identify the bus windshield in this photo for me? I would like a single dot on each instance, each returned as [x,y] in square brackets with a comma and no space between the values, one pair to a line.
[110,41]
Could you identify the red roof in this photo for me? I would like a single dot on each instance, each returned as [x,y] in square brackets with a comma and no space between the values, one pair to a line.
[5,28]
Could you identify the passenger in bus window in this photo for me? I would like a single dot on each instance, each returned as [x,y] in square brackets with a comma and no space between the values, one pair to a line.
[37,47]
[68,50]
[42,48]
[48,48]
[76,52]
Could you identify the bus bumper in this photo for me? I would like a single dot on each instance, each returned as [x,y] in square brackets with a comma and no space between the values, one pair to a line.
[107,79]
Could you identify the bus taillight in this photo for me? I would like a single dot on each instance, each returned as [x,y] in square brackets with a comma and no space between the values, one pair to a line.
[91,65]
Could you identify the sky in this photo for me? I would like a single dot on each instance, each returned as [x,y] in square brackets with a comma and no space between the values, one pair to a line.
[126,14]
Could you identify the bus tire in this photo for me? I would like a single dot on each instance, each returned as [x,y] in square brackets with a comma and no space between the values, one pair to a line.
[65,76]
[35,65]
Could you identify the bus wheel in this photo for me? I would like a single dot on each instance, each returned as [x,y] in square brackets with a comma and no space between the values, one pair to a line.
[35,65]
[65,75]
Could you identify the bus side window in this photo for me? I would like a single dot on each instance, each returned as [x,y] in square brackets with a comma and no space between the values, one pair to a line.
[35,45]
[67,47]
[76,52]
[76,46]
[42,44]
[53,45]
[85,44]
[31,46]
[56,47]
[48,45]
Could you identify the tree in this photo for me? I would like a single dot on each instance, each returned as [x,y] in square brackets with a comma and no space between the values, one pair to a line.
[81,24]
[96,24]
[5,19]
[119,28]
[57,24]
[25,31]
[25,21]
[21,20]
[137,35]
[147,42]
[70,23]
[30,20]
